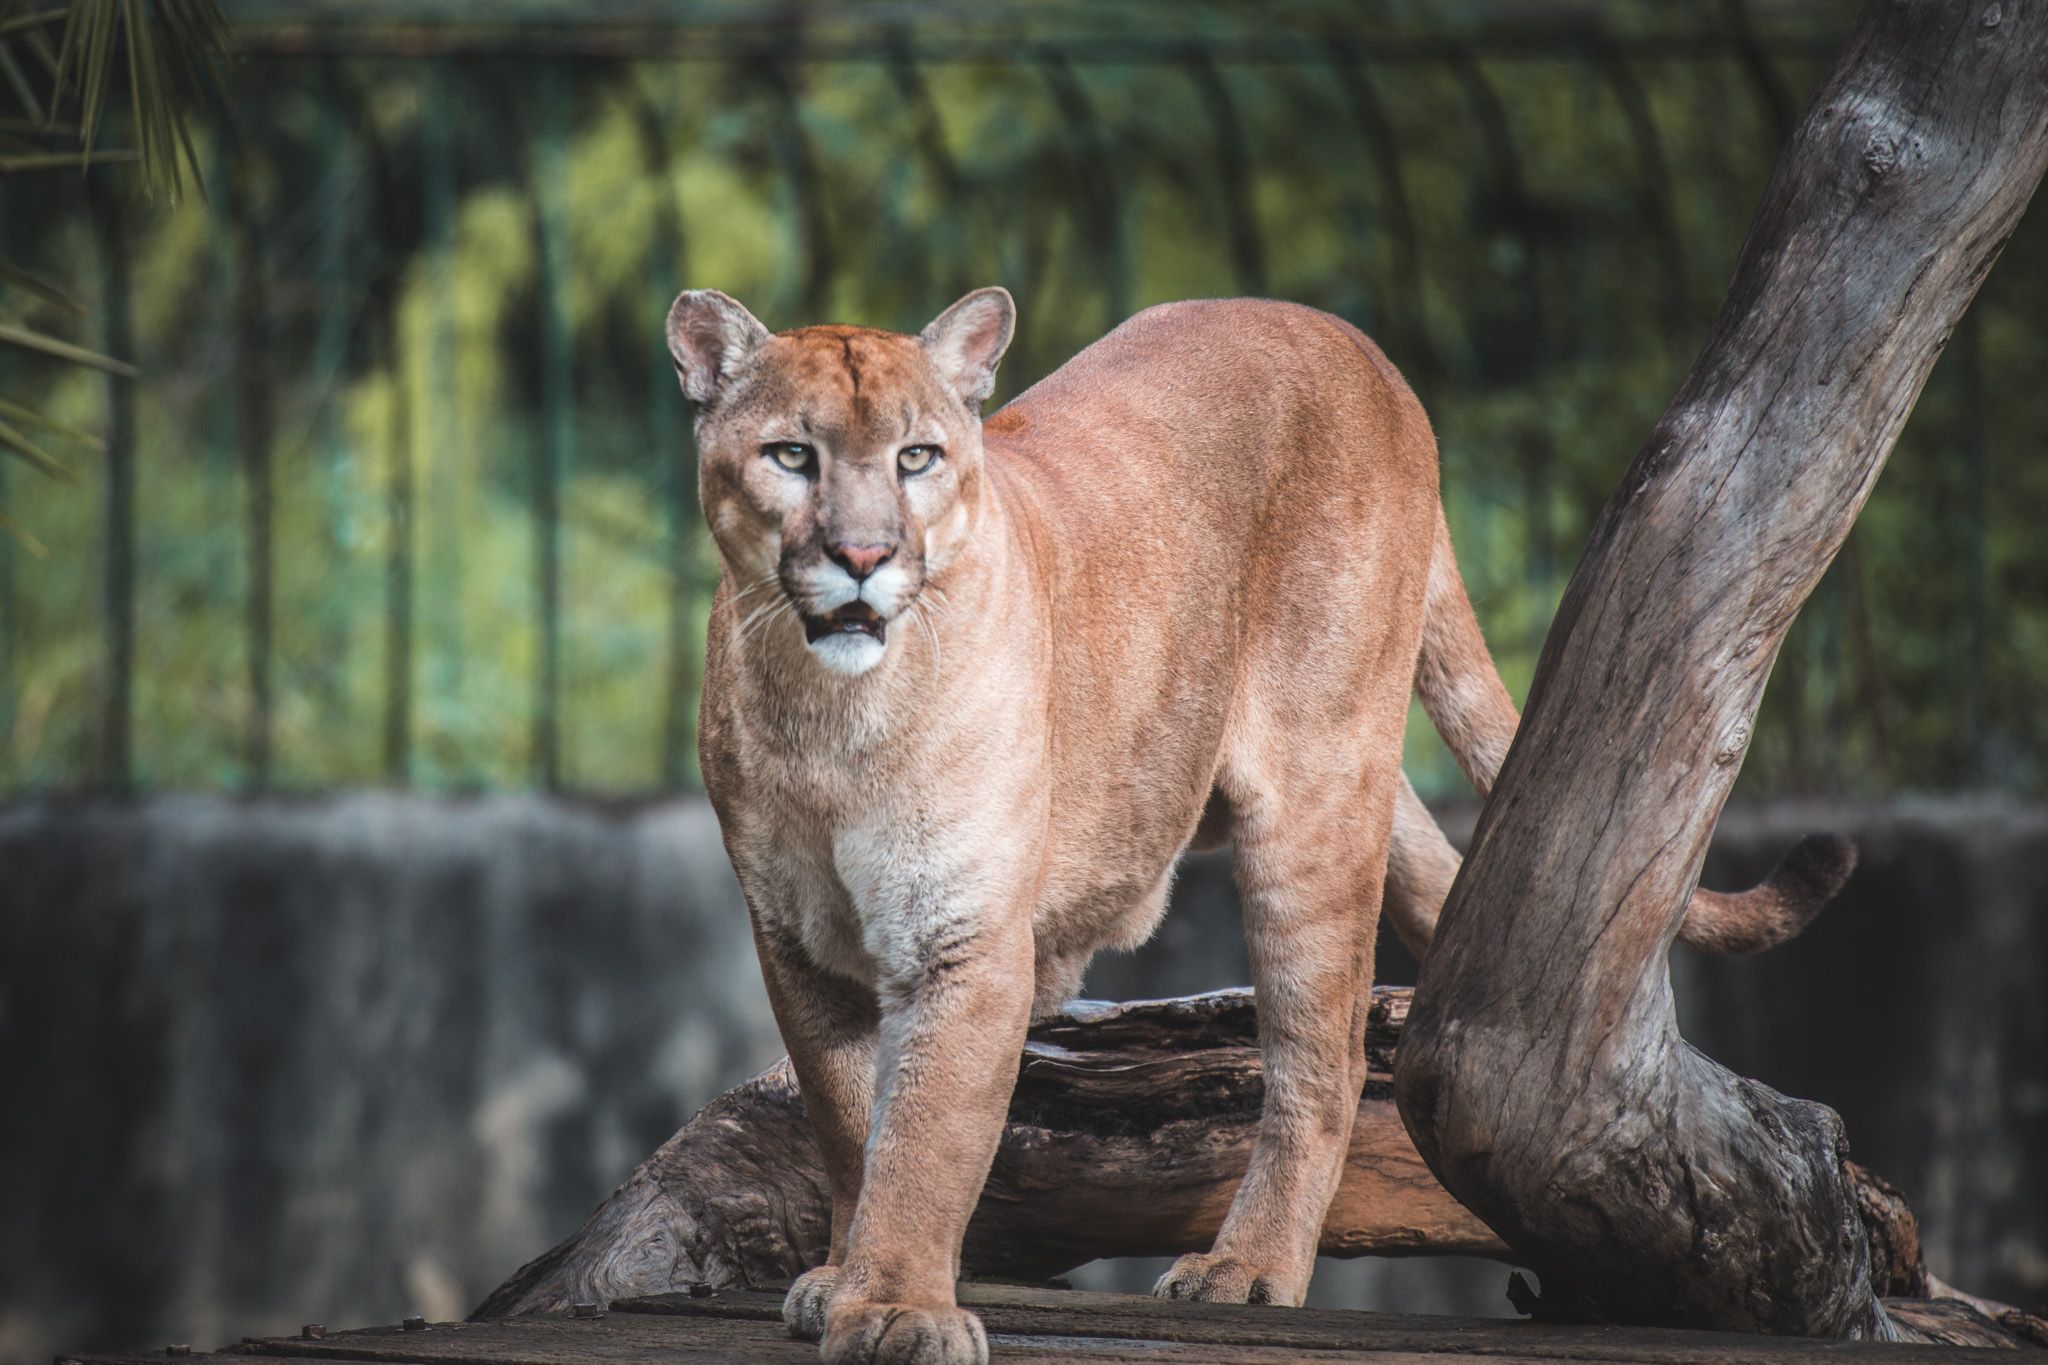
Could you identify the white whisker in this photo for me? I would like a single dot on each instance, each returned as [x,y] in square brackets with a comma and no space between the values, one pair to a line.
[762,616]
[742,594]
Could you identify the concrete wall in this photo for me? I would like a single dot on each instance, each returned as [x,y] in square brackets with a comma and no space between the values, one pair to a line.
[264,1063]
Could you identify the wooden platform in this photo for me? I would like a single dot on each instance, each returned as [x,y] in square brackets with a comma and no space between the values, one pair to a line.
[1043,1325]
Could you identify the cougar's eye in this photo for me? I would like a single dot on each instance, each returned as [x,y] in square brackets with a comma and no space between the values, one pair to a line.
[794,456]
[917,459]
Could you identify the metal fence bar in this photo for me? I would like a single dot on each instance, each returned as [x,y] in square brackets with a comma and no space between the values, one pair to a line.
[931,149]
[1088,151]
[707,43]
[674,449]
[253,434]
[1233,167]
[398,558]
[1653,178]
[437,189]
[381,302]
[800,168]
[117,329]
[9,624]
[551,452]
[1976,537]
[1517,213]
[1422,363]
[1762,73]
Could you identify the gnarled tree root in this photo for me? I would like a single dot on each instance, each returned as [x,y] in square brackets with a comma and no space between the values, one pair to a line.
[1129,1130]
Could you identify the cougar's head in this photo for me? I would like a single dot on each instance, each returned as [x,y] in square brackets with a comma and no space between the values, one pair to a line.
[842,465]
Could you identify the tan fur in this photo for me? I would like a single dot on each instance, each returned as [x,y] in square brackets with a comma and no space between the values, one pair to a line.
[1179,589]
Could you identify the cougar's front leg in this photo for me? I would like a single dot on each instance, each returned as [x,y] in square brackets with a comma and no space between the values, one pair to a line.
[829,1026]
[955,1006]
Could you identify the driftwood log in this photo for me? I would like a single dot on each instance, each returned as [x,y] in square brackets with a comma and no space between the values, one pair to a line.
[1542,1075]
[1129,1130]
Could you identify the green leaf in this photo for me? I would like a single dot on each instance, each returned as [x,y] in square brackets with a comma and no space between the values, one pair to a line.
[29,417]
[20,533]
[169,51]
[30,282]
[52,161]
[23,338]
[23,91]
[29,125]
[33,19]
[14,439]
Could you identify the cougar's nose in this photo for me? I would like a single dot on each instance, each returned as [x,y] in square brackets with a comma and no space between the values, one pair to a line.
[859,560]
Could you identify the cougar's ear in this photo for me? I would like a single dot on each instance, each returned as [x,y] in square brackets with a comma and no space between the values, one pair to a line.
[967,341]
[710,335]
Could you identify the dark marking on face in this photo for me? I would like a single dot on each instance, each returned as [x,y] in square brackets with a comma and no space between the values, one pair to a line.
[852,367]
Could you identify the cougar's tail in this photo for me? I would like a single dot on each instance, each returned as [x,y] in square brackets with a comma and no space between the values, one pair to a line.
[1470,707]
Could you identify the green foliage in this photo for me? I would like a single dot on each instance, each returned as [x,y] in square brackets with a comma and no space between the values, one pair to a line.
[416,230]
[167,50]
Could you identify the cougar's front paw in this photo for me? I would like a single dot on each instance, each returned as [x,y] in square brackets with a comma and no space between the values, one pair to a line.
[803,1308]
[1209,1278]
[897,1334]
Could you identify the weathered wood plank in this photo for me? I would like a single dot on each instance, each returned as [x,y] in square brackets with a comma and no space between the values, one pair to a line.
[1026,1312]
[1038,1326]
[747,1334]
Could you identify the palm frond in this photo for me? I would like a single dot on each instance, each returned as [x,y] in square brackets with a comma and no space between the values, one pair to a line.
[31,19]
[169,51]
[14,277]
[17,81]
[38,126]
[29,417]
[14,439]
[17,162]
[27,339]
[21,533]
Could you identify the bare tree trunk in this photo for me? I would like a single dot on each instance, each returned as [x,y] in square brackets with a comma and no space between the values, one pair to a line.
[1542,1075]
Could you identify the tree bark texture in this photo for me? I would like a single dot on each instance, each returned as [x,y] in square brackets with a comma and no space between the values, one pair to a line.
[1130,1129]
[1542,1075]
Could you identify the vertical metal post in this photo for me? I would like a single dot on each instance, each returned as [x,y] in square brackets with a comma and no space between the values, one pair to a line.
[253,436]
[8,627]
[398,562]
[552,451]
[675,454]
[1091,162]
[1513,202]
[7,616]
[950,276]
[807,206]
[1976,544]
[1421,362]
[117,330]
[1233,163]
[443,512]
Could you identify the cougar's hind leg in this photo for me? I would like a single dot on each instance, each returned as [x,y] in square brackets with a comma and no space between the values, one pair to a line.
[1311,858]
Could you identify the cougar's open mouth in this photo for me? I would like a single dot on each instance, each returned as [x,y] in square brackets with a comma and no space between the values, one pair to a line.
[855,618]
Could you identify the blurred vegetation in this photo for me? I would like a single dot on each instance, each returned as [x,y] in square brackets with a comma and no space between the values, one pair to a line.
[58,88]
[406,401]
